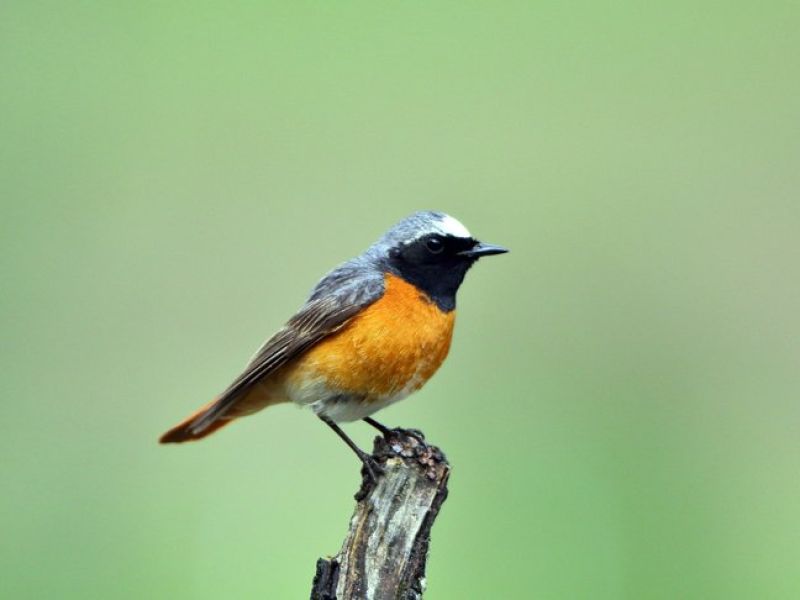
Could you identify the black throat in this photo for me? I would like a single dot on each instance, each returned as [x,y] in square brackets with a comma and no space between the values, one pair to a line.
[439,281]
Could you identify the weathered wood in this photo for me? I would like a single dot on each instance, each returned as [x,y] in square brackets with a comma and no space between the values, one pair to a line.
[384,554]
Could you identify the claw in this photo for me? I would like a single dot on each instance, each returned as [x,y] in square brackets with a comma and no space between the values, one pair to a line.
[372,467]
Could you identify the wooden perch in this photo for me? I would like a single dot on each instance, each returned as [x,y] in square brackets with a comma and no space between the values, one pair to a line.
[384,554]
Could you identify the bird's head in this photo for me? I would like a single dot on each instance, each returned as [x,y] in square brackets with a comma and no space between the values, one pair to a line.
[433,251]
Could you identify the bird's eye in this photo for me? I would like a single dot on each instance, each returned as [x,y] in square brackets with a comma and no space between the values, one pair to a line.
[434,245]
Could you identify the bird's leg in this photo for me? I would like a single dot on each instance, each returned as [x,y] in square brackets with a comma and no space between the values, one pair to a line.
[380,427]
[372,467]
[415,433]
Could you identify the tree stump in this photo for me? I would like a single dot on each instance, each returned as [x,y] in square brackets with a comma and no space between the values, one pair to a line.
[384,554]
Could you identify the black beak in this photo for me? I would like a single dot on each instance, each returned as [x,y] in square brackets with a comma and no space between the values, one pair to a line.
[482,249]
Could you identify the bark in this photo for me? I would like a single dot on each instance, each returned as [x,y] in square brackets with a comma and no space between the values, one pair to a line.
[384,554]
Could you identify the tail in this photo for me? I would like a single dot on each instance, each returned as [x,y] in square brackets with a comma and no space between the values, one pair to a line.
[191,429]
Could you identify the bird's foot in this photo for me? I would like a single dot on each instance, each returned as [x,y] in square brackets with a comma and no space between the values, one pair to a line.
[372,467]
[414,433]
[371,470]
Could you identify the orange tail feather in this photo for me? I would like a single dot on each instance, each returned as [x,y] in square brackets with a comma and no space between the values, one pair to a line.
[183,431]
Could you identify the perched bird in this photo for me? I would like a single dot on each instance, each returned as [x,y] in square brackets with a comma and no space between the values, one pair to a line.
[373,331]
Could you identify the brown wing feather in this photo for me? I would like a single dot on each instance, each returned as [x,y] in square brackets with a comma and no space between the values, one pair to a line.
[339,296]
[317,320]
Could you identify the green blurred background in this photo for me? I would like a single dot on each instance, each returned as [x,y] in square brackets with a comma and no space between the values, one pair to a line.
[622,401]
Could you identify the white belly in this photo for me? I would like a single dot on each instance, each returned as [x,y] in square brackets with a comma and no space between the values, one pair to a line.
[337,405]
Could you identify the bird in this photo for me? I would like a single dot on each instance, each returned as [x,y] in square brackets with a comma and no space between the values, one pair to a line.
[373,331]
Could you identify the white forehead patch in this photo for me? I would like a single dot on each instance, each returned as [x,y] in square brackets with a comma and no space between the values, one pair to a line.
[447,225]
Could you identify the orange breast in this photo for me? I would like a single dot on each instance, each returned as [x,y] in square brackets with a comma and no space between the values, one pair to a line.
[394,345]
